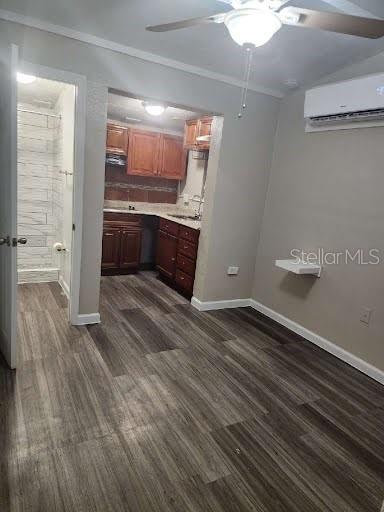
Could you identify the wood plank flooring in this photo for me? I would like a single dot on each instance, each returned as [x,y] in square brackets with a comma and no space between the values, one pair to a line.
[164,408]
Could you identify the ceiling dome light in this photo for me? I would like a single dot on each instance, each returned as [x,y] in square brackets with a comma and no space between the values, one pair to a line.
[154,109]
[22,78]
[252,26]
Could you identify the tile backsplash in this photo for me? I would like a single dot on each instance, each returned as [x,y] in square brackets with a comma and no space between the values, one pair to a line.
[121,187]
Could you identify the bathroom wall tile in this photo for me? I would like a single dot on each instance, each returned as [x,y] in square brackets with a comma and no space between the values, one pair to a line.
[31,169]
[40,193]
[27,118]
[35,132]
[34,182]
[32,218]
[39,145]
[38,276]
[34,157]
[36,241]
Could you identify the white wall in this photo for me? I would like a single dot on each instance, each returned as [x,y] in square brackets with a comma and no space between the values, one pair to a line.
[66,107]
[243,161]
[193,185]
[326,190]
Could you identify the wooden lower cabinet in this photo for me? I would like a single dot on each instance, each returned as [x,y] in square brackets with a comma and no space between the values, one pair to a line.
[166,254]
[130,248]
[111,248]
[176,255]
[122,235]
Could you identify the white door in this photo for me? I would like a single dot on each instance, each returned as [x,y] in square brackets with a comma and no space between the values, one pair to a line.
[8,208]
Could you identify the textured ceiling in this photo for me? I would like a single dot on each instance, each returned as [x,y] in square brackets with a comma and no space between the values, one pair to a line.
[303,55]
[125,109]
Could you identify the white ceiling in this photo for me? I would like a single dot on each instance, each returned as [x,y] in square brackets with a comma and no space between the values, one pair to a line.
[303,55]
[122,107]
[43,93]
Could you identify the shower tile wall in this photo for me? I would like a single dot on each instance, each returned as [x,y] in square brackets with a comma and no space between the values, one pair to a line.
[38,166]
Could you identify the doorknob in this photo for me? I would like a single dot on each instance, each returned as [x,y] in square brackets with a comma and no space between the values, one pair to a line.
[21,241]
[5,241]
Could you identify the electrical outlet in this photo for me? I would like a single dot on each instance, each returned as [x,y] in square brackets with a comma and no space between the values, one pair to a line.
[366,315]
[233,271]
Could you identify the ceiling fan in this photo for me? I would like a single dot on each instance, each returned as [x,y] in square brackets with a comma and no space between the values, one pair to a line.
[254,22]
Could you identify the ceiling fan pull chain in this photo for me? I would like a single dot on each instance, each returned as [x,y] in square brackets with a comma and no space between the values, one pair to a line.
[249,48]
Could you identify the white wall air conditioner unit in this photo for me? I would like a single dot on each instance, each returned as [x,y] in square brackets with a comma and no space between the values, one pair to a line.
[357,103]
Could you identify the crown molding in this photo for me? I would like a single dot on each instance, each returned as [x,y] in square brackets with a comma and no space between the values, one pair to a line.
[83,37]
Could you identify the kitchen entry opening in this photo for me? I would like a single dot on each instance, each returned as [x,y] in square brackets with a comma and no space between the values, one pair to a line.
[45,162]
[156,163]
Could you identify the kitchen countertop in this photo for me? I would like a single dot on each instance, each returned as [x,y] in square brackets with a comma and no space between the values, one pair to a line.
[161,210]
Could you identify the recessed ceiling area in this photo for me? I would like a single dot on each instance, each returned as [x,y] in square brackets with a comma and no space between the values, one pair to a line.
[128,110]
[301,55]
[41,92]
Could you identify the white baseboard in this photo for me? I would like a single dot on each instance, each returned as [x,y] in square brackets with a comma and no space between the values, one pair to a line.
[316,339]
[219,304]
[93,318]
[321,342]
[64,287]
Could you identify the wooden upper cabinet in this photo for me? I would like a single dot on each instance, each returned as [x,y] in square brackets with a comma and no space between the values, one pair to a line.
[144,153]
[195,128]
[117,139]
[156,155]
[172,158]
[190,134]
[204,129]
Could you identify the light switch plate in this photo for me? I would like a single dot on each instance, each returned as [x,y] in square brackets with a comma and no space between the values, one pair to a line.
[233,271]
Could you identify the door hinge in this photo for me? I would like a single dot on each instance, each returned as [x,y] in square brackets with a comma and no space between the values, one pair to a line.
[73,227]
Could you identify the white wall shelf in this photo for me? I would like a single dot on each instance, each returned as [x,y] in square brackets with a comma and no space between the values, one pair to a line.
[299,267]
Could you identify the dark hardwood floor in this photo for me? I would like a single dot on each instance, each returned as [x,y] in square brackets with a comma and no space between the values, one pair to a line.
[163,408]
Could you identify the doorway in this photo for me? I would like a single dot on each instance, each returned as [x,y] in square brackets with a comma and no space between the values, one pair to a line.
[45,168]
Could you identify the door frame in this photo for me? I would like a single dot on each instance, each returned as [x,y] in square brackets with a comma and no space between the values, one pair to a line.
[80,82]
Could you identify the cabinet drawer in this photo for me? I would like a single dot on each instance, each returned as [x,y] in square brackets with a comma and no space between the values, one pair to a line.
[186,265]
[184,281]
[187,249]
[169,227]
[122,218]
[189,234]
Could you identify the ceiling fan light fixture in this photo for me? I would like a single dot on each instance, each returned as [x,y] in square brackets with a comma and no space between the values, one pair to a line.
[154,109]
[252,26]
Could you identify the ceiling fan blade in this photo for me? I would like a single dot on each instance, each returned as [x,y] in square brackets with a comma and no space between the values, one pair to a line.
[334,22]
[216,18]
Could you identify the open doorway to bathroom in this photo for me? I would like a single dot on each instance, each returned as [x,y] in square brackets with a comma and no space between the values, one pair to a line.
[46,141]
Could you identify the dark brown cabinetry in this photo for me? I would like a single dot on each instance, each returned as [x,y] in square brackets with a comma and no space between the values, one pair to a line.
[190,134]
[111,247]
[117,139]
[194,129]
[176,255]
[121,243]
[156,155]
[144,150]
[166,254]
[172,162]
